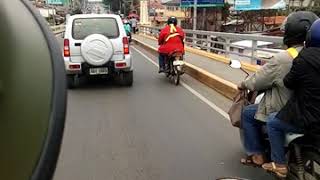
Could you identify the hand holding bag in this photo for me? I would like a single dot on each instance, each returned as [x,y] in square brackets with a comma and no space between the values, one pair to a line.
[242,99]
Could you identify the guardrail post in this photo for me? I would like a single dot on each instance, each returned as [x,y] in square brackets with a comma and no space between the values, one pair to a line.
[254,52]
[144,30]
[208,43]
[149,31]
[227,46]
[194,41]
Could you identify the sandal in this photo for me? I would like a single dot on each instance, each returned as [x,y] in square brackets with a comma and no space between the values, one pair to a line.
[279,171]
[248,161]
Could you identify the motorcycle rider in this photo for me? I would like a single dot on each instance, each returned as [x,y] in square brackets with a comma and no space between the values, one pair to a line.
[127,27]
[269,79]
[302,112]
[170,40]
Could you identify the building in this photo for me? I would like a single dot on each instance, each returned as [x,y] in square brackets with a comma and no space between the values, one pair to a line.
[159,11]
[172,8]
[156,13]
[301,3]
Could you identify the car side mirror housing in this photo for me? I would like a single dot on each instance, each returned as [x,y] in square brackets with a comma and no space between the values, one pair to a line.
[32,94]
[235,64]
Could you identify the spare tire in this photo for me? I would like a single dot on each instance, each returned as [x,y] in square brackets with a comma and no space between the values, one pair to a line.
[96,49]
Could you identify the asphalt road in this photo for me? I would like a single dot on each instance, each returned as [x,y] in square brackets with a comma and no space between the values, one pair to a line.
[151,131]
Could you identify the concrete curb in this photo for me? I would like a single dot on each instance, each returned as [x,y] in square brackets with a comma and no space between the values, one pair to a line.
[224,87]
[212,56]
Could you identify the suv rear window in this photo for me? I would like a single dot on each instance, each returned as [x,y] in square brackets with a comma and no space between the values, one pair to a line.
[81,28]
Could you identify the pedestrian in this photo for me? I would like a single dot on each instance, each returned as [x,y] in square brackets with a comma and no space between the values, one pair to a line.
[134,23]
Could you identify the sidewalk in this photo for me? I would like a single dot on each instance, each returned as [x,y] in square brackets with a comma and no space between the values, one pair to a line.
[215,67]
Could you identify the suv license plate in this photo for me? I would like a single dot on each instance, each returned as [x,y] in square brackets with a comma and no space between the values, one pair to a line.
[97,71]
[178,63]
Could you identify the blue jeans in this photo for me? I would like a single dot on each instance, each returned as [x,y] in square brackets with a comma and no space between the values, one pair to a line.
[161,60]
[252,131]
[277,130]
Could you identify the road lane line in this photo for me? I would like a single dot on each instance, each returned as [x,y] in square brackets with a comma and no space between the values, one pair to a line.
[193,91]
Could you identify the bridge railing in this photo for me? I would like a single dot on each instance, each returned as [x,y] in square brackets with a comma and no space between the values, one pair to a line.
[252,48]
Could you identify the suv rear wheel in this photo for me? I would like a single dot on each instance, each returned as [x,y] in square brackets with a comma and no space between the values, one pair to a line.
[72,81]
[125,78]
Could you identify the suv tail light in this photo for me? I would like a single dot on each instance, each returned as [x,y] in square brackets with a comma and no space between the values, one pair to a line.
[125,45]
[66,48]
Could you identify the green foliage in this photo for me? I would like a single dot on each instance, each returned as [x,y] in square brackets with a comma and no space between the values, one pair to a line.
[114,4]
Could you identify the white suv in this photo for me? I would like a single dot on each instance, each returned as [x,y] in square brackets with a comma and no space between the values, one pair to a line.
[97,45]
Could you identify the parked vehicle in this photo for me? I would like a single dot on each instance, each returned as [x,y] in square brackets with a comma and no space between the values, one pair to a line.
[96,46]
[303,152]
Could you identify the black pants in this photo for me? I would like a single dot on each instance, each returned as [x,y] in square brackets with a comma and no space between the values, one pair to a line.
[162,58]
[134,30]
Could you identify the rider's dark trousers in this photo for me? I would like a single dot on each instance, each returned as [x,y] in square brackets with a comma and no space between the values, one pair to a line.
[162,58]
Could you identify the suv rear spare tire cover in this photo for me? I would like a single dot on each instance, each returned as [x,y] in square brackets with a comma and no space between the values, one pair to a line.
[96,49]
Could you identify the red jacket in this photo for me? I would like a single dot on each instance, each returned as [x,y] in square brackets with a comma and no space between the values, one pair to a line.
[170,40]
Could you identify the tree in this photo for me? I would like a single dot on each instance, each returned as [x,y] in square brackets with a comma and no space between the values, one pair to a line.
[113,4]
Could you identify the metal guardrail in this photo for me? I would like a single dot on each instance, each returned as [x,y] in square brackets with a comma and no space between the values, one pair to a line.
[222,43]
[58,29]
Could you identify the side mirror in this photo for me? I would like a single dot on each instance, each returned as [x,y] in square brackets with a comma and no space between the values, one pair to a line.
[32,94]
[235,64]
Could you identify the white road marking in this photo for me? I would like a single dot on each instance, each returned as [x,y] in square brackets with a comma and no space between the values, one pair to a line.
[193,91]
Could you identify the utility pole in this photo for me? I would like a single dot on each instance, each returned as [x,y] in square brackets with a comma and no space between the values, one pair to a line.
[195,15]
[195,20]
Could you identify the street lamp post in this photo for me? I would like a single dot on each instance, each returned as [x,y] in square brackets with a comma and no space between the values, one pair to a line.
[195,21]
[195,14]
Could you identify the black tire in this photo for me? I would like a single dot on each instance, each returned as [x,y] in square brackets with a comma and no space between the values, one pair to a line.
[231,178]
[126,78]
[311,156]
[176,76]
[71,81]
[176,79]
[311,161]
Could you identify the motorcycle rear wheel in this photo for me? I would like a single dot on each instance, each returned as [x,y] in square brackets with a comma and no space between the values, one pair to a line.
[311,164]
[176,76]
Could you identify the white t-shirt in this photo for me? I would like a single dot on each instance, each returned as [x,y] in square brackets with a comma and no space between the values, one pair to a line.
[134,22]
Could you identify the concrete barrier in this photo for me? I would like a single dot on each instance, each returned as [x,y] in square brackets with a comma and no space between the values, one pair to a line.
[224,87]
[212,56]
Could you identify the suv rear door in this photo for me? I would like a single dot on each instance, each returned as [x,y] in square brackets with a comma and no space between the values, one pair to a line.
[83,27]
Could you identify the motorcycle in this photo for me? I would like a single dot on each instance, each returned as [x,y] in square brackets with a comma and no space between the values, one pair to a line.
[303,152]
[130,37]
[174,66]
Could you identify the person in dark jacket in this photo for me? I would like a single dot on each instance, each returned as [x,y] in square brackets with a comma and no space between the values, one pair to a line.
[301,114]
[269,79]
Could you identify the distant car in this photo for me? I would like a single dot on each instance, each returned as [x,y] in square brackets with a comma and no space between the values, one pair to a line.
[97,45]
